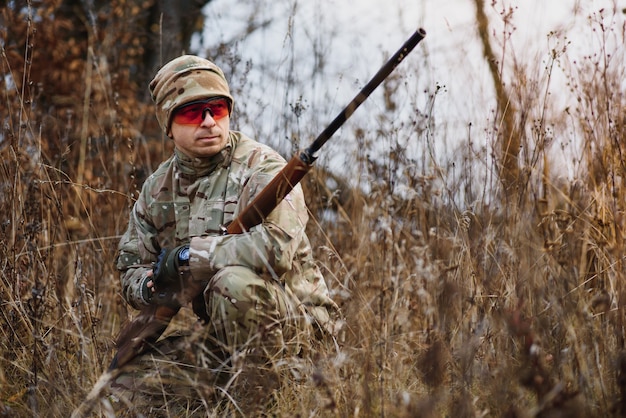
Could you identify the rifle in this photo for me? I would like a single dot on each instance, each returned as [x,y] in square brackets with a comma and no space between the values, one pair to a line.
[148,326]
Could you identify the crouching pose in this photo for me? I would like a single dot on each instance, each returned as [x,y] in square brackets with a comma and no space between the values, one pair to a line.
[259,292]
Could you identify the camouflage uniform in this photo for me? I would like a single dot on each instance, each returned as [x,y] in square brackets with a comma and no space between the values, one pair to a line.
[189,201]
[261,288]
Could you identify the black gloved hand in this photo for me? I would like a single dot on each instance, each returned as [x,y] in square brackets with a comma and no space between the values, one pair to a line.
[166,269]
[164,296]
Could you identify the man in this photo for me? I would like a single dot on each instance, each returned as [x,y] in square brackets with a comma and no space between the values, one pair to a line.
[260,291]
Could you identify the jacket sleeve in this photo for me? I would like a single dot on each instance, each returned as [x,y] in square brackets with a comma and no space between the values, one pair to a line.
[136,255]
[268,247]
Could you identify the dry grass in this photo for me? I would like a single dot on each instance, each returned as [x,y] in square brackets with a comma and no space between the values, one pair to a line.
[495,307]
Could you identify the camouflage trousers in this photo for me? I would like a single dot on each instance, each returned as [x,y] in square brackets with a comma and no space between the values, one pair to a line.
[250,325]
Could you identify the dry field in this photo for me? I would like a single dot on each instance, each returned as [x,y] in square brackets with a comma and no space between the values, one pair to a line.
[497,294]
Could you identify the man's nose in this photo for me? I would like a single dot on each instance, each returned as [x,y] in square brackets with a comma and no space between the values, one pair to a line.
[207,121]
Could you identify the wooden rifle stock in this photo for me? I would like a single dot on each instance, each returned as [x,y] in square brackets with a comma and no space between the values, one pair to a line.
[271,195]
[140,333]
[152,321]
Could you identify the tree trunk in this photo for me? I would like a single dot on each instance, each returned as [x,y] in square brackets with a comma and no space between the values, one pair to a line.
[507,134]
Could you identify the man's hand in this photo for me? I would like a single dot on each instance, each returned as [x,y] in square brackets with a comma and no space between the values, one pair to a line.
[163,296]
[162,285]
[166,269]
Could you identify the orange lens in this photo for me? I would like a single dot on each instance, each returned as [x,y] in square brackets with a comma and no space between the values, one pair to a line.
[194,113]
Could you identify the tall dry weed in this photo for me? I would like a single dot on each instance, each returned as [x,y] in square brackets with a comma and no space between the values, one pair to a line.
[456,300]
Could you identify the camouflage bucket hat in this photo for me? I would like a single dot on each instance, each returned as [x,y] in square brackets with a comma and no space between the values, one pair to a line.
[183,80]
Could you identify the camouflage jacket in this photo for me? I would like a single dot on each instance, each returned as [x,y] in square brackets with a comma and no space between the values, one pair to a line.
[189,200]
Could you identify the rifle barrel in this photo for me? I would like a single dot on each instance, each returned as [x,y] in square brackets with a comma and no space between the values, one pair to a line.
[263,204]
[378,78]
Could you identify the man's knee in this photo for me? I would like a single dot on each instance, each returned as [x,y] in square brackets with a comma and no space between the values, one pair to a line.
[237,294]
[232,278]
[241,287]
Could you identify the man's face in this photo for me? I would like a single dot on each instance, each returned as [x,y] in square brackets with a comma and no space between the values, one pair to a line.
[200,129]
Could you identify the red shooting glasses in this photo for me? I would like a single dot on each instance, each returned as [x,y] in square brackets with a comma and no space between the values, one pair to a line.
[193,113]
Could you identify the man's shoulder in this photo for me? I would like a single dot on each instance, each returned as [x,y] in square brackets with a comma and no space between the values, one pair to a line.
[155,180]
[162,169]
[251,151]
